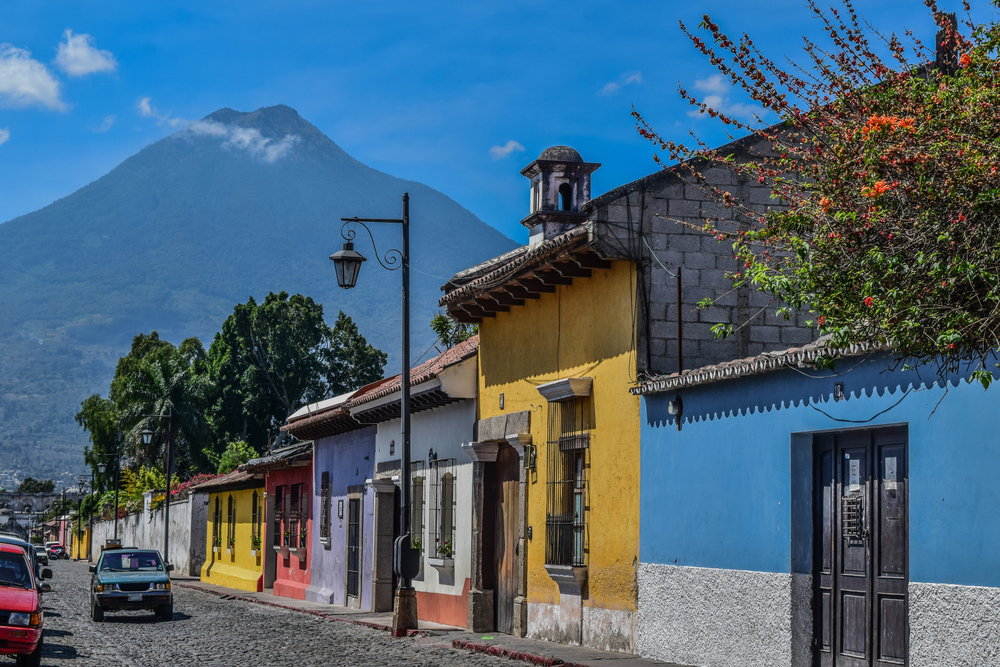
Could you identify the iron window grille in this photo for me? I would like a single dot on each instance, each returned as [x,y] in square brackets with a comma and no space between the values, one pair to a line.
[293,517]
[231,522]
[567,447]
[255,516]
[442,493]
[353,547]
[279,514]
[216,520]
[324,509]
[417,505]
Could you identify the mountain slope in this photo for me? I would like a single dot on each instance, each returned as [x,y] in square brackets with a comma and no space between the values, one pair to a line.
[235,205]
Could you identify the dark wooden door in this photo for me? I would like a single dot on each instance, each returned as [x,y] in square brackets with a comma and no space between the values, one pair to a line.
[353,552]
[507,522]
[861,548]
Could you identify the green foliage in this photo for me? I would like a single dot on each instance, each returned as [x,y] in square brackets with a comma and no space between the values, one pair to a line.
[32,485]
[236,453]
[885,175]
[450,331]
[99,417]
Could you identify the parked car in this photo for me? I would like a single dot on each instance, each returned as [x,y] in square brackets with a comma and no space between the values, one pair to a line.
[27,548]
[22,617]
[58,551]
[41,554]
[131,579]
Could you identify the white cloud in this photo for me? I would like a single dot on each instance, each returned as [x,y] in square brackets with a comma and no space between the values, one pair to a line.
[626,79]
[500,152]
[4,135]
[144,108]
[105,124]
[247,139]
[77,56]
[717,97]
[24,81]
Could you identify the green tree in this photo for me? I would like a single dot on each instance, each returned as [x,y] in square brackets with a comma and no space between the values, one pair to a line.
[32,485]
[99,417]
[237,453]
[451,332]
[274,357]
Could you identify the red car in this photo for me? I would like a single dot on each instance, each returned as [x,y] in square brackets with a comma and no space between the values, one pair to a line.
[21,615]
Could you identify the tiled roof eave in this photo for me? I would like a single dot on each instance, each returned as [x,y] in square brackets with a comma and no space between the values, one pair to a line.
[764,363]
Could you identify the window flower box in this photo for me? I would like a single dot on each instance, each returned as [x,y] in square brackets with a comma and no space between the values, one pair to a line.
[283,550]
[253,553]
[300,553]
[229,551]
[443,563]
[215,550]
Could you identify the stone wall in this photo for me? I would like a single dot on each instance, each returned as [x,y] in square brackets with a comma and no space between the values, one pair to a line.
[648,220]
[144,530]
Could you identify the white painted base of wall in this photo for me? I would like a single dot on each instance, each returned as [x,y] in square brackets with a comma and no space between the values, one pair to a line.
[710,617]
[572,623]
[958,626]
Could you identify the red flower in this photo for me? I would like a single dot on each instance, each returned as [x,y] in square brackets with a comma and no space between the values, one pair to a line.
[869,301]
[965,60]
[822,320]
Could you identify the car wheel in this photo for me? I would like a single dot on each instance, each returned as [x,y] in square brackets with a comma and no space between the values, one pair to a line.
[33,659]
[166,612]
[96,613]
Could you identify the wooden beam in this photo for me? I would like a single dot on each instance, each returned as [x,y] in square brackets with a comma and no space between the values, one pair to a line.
[477,311]
[521,292]
[589,260]
[502,297]
[536,285]
[461,315]
[490,305]
[570,270]
[552,278]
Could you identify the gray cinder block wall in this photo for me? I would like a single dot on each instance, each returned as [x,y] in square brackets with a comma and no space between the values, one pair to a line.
[640,220]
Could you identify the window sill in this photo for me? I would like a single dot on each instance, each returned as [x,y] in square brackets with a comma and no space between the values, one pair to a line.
[570,579]
[444,563]
[300,553]
[283,550]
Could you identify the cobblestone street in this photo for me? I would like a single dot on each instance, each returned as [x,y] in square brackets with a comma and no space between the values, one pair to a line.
[208,629]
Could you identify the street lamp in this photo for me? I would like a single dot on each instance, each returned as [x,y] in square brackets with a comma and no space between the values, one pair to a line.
[347,263]
[147,438]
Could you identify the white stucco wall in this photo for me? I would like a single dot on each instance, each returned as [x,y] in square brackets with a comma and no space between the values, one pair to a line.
[444,430]
[717,618]
[958,626]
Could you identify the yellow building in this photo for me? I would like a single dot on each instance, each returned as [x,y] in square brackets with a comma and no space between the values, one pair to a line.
[557,440]
[234,556]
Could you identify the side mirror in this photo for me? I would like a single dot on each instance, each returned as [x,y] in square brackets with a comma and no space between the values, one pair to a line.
[170,567]
[45,588]
[93,568]
[46,573]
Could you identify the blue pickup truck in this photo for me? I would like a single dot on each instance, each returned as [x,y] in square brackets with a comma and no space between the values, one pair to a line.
[129,579]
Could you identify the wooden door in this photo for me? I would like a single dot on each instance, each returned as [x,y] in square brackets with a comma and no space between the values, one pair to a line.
[860,549]
[507,524]
[353,552]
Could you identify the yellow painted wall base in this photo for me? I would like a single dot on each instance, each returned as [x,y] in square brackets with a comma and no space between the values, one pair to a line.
[232,576]
[239,569]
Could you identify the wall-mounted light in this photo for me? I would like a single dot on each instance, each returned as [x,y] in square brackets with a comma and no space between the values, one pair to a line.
[501,401]
[838,391]
[676,408]
[340,508]
[529,532]
[530,456]
[392,447]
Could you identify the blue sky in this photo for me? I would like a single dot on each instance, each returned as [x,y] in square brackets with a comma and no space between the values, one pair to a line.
[457,95]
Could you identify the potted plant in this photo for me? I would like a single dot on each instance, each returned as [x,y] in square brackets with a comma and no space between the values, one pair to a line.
[444,558]
[216,543]
[231,544]
[254,545]
[417,543]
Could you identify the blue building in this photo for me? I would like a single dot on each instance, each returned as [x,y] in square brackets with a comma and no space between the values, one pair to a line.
[800,517]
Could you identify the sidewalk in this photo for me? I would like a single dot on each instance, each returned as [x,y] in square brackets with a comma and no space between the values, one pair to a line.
[531,651]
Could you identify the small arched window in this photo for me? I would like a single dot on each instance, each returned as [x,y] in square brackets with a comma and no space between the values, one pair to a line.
[446,545]
[565,197]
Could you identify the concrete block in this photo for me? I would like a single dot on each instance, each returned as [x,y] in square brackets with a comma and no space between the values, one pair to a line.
[796,335]
[727,263]
[673,190]
[761,195]
[663,329]
[680,208]
[690,313]
[657,347]
[715,210]
[698,331]
[756,348]
[716,279]
[759,299]
[764,334]
[726,299]
[698,260]
[684,242]
[664,291]
[696,193]
[719,176]
[715,315]
[668,257]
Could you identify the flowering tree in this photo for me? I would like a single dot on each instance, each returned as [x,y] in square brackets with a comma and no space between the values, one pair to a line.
[885,174]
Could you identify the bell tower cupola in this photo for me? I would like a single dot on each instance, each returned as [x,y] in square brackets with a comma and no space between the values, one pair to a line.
[560,184]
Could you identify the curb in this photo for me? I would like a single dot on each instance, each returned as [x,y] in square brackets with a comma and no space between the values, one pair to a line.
[311,612]
[511,654]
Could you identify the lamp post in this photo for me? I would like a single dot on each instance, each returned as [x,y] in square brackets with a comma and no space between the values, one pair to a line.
[347,264]
[147,438]
[90,520]
[101,467]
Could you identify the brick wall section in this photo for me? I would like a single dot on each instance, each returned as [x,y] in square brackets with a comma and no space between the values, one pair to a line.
[643,220]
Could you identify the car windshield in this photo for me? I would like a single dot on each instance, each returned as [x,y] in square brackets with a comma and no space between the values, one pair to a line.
[14,570]
[131,561]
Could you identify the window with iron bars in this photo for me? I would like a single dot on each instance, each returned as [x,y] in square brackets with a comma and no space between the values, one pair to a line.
[293,516]
[442,494]
[255,519]
[279,514]
[417,504]
[216,520]
[567,499]
[324,510]
[231,523]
